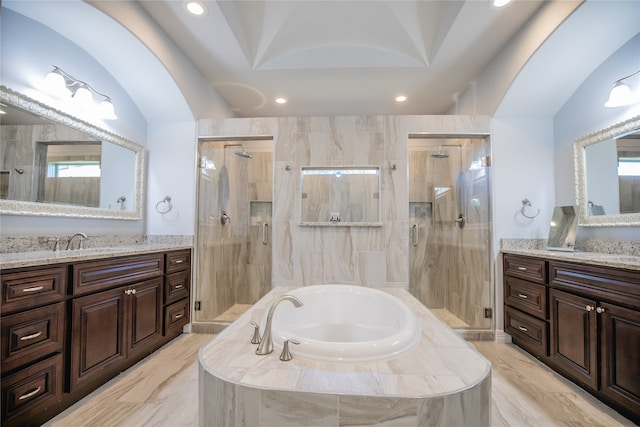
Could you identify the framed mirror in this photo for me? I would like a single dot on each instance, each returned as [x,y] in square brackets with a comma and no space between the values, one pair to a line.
[53,164]
[607,168]
[340,196]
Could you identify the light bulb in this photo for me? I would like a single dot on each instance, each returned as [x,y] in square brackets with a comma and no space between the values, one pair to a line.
[107,111]
[620,95]
[56,84]
[83,98]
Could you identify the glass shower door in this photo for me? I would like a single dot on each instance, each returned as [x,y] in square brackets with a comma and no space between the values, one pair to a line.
[450,229]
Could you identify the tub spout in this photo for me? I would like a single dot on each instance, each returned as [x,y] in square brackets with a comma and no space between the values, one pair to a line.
[266,343]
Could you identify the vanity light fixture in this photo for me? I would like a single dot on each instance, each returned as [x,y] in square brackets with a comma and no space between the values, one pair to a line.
[620,93]
[281,100]
[401,98]
[62,84]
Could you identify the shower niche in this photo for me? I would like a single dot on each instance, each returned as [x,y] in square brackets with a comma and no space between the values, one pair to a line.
[340,196]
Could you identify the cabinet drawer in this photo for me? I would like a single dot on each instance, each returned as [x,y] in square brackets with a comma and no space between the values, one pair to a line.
[532,269]
[32,335]
[178,260]
[26,289]
[30,391]
[526,296]
[93,276]
[176,286]
[176,316]
[527,331]
[607,284]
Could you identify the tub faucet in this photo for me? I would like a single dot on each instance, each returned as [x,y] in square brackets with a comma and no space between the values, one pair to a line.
[82,237]
[266,343]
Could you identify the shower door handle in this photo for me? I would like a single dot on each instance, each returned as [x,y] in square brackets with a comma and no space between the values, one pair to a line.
[414,235]
[265,234]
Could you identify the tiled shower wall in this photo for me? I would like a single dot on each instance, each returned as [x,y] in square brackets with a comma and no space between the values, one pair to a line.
[369,256]
[234,265]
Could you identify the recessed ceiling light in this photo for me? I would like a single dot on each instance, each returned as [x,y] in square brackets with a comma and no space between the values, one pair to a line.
[500,3]
[401,98]
[195,8]
[281,100]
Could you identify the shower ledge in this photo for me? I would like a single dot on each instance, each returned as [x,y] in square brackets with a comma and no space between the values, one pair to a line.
[443,381]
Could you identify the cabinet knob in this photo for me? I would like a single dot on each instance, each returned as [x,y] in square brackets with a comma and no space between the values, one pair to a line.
[133,291]
[588,308]
[127,292]
[599,310]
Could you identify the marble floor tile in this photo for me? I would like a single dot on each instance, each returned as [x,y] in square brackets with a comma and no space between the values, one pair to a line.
[162,391]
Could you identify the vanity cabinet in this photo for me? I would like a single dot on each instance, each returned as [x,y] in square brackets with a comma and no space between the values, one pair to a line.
[68,328]
[593,320]
[112,328]
[525,298]
[33,338]
[177,285]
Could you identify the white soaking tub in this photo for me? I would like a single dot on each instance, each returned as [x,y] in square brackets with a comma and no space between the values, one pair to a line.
[344,323]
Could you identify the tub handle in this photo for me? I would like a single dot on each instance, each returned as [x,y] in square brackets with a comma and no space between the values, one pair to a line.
[414,235]
[265,234]
[286,354]
[256,333]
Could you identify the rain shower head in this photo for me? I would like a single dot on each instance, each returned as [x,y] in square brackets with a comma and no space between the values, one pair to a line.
[440,154]
[243,153]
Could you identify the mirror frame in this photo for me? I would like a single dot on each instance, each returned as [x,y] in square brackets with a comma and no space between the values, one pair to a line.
[19,207]
[579,155]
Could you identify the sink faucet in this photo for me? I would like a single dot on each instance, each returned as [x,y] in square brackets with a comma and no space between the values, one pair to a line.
[266,343]
[82,237]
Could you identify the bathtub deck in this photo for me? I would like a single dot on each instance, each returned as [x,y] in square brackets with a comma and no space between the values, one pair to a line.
[444,381]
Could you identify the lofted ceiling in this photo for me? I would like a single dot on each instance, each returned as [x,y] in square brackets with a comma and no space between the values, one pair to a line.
[341,57]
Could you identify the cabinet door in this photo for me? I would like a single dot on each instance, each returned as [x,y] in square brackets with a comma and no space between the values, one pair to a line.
[573,347]
[97,336]
[144,307]
[620,361]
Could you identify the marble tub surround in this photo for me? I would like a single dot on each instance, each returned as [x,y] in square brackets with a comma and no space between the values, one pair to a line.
[43,257]
[443,381]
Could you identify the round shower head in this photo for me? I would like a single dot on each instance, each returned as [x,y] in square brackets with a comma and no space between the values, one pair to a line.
[440,154]
[244,154]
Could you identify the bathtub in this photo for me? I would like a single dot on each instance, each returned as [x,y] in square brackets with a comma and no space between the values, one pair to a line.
[345,323]
[442,381]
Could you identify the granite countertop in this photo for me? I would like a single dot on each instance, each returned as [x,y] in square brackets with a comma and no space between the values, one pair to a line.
[29,259]
[629,262]
[442,364]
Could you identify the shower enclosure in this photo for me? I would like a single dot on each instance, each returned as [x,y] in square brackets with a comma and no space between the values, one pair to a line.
[233,256]
[450,229]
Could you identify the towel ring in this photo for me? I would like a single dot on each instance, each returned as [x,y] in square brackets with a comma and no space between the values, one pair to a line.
[525,203]
[167,201]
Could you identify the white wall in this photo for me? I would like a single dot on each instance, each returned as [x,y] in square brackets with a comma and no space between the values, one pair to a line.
[172,156]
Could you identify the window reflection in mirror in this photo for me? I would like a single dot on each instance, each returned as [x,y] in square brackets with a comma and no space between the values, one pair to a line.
[613,176]
[68,173]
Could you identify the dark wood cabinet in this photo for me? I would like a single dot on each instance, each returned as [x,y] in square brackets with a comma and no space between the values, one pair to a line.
[620,351]
[593,316]
[525,299]
[68,328]
[573,346]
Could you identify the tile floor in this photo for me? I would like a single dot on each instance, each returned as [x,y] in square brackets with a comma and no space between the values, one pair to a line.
[162,390]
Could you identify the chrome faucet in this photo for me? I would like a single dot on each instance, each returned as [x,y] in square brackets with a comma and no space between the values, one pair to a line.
[82,237]
[266,343]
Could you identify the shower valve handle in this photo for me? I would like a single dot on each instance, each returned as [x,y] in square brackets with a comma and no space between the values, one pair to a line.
[224,218]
